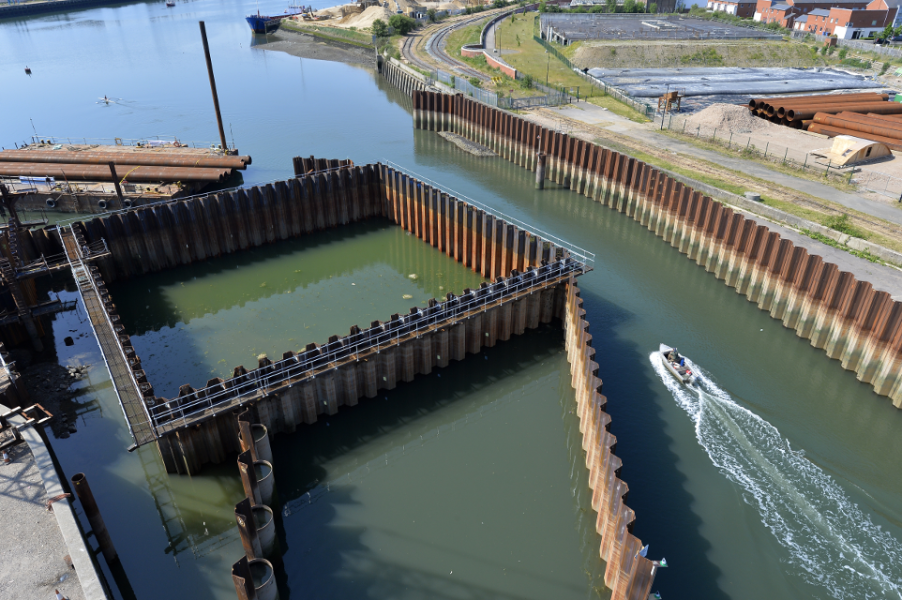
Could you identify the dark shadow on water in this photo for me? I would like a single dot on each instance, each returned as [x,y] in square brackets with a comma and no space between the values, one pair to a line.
[315,554]
[673,530]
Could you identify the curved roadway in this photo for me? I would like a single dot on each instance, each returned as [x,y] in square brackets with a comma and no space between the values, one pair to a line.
[435,47]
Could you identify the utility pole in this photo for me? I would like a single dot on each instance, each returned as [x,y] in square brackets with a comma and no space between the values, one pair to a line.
[222,137]
[547,63]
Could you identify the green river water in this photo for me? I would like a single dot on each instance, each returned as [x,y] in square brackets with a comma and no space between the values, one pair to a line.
[780,479]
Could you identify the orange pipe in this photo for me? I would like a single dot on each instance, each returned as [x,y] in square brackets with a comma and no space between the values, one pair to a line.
[807,112]
[832,131]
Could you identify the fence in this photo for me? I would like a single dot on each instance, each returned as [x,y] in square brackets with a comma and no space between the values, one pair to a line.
[616,93]
[872,181]
[854,44]
[460,83]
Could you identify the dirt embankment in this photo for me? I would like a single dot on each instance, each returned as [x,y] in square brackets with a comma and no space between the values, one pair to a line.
[617,54]
[307,46]
[817,210]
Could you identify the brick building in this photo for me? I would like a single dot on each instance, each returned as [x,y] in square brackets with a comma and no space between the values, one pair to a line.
[846,23]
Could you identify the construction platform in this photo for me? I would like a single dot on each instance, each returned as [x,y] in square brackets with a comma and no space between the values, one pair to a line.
[53,174]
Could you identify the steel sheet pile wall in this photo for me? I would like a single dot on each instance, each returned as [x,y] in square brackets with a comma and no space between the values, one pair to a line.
[170,234]
[629,575]
[199,425]
[399,76]
[854,323]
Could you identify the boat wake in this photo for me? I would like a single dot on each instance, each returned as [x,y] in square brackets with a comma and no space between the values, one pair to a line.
[830,541]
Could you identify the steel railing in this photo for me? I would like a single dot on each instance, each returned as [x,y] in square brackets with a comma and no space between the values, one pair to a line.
[82,273]
[178,412]
[586,257]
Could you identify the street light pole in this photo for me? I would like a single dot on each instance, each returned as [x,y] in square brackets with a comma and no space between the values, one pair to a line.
[547,63]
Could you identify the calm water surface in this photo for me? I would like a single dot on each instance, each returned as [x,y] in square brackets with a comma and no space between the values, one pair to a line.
[718,485]
[197,322]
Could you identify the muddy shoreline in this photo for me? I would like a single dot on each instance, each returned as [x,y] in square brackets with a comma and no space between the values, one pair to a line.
[308,46]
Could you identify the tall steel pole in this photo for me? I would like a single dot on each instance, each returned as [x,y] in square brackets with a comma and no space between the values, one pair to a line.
[222,137]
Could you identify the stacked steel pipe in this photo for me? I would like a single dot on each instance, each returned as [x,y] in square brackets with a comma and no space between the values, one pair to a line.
[799,111]
[138,167]
[883,128]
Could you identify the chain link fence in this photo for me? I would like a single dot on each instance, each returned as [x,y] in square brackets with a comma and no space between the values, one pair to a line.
[854,44]
[746,145]
[645,109]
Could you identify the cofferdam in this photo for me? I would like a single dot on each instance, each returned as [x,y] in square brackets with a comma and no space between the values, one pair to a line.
[364,471]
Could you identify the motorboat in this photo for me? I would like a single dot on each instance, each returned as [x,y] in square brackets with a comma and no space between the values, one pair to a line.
[676,364]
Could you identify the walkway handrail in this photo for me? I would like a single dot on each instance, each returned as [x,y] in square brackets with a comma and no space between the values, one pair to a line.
[375,338]
[586,257]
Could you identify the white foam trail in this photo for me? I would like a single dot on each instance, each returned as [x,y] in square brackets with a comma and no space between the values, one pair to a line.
[831,542]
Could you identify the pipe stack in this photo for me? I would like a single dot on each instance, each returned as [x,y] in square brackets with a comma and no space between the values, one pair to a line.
[883,128]
[137,167]
[798,111]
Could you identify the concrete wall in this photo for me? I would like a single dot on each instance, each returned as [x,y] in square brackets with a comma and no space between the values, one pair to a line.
[850,320]
[629,575]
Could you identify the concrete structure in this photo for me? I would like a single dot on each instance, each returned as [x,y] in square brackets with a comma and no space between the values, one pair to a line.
[849,319]
[49,560]
[567,28]
[848,150]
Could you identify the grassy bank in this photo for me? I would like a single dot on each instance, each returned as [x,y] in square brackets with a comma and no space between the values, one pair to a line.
[836,223]
[355,38]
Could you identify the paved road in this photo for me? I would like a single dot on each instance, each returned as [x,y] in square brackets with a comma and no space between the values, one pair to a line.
[594,115]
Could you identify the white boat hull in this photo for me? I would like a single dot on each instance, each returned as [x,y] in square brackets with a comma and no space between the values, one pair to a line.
[682,374]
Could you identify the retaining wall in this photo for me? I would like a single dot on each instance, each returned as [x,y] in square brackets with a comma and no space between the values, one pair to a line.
[629,575]
[854,323]
[405,79]
[152,238]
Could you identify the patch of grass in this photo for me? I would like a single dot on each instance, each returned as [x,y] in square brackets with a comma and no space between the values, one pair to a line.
[842,224]
[530,57]
[788,207]
[707,56]
[619,108]
[840,182]
[831,242]
[463,36]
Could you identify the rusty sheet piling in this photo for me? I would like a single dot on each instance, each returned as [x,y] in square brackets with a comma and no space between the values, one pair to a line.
[92,511]
[849,320]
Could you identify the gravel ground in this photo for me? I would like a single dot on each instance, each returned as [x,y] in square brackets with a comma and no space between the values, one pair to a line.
[32,551]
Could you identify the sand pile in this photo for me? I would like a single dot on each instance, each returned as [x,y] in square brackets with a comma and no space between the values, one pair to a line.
[727,117]
[365,19]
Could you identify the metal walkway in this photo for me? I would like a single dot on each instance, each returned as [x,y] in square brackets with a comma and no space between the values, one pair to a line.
[124,383]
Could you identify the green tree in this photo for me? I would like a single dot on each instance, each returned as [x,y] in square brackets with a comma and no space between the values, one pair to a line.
[629,6]
[430,14]
[499,4]
[842,53]
[611,5]
[380,29]
[653,7]
[402,24]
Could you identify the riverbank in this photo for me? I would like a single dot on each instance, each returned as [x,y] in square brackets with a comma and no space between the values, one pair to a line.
[303,45]
[25,9]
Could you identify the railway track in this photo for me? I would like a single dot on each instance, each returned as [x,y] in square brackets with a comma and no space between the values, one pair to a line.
[435,47]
